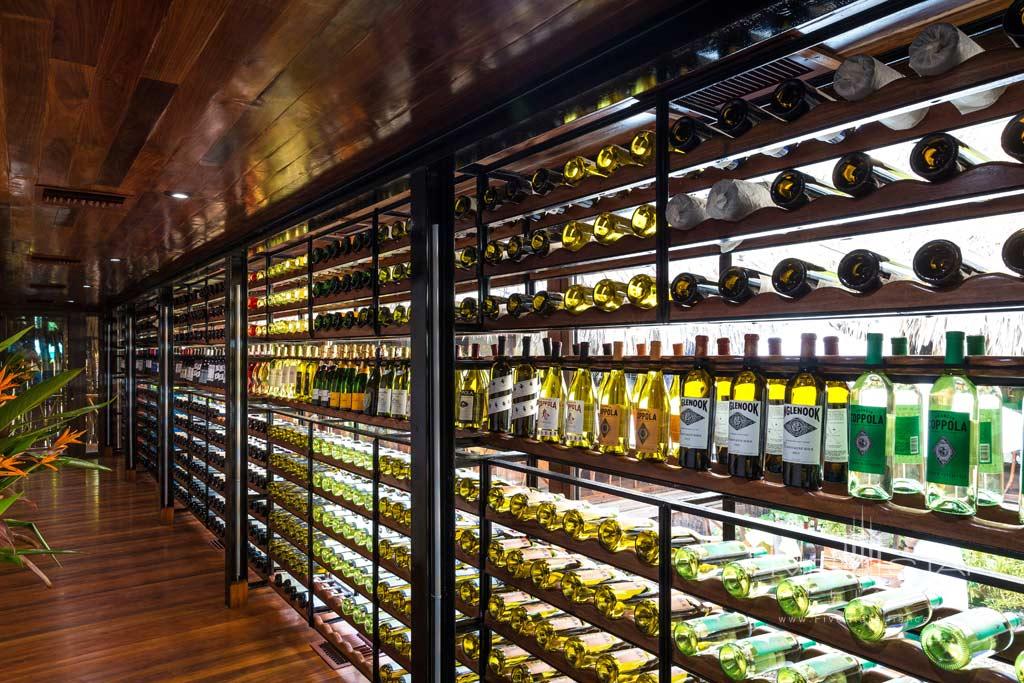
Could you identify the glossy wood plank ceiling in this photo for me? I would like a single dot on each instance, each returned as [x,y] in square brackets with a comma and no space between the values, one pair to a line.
[141,601]
[250,106]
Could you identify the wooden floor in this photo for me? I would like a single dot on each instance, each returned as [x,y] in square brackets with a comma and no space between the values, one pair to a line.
[142,601]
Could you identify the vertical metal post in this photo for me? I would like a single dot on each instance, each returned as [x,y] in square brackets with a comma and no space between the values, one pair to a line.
[107,354]
[375,515]
[374,268]
[165,407]
[665,572]
[433,431]
[662,236]
[128,409]
[236,473]
[482,284]
[729,529]
[484,575]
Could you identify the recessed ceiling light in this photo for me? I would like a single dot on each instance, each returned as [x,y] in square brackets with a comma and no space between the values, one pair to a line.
[115,260]
[71,301]
[177,195]
[86,286]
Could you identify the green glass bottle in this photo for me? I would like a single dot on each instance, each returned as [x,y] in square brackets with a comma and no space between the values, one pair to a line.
[743,659]
[803,426]
[908,419]
[812,594]
[579,422]
[1018,667]
[990,434]
[889,613]
[756,576]
[952,454]
[834,667]
[701,561]
[871,429]
[694,636]
[953,642]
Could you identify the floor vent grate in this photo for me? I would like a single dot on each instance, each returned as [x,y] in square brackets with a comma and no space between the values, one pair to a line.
[217,543]
[330,655]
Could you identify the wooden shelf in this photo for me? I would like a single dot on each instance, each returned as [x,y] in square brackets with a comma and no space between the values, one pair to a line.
[348,415]
[344,260]
[353,333]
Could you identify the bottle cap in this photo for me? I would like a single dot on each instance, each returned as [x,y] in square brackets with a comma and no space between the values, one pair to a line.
[934,599]
[617,350]
[723,346]
[606,348]
[655,350]
[831,346]
[750,345]
[546,343]
[774,346]
[899,346]
[494,351]
[641,349]
[976,345]
[867,583]
[501,346]
[575,349]
[808,344]
[874,349]
[700,346]
[806,566]
[556,349]
[954,348]
[475,350]
[526,347]
[584,351]
[677,349]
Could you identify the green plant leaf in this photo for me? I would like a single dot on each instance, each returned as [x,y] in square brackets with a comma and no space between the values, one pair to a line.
[44,551]
[83,464]
[6,343]
[7,501]
[34,396]
[62,418]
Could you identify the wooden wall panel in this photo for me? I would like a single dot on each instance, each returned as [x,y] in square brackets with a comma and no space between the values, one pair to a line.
[78,29]
[68,87]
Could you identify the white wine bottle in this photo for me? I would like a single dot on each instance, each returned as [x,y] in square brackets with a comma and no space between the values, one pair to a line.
[834,667]
[889,613]
[746,413]
[609,295]
[614,408]
[472,408]
[955,641]
[952,455]
[908,418]
[579,425]
[750,578]
[704,560]
[803,426]
[642,291]
[775,413]
[723,393]
[746,658]
[871,429]
[708,633]
[819,592]
[651,413]
[697,411]
[551,404]
[990,434]
[834,455]
[579,299]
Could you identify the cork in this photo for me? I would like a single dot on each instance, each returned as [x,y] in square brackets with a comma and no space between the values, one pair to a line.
[700,346]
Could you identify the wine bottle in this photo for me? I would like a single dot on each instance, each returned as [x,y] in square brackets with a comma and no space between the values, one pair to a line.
[465,207]
[472,409]
[808,595]
[688,289]
[794,278]
[524,396]
[609,295]
[990,434]
[737,116]
[577,169]
[858,174]
[467,310]
[517,189]
[642,291]
[546,303]
[400,388]
[576,235]
[940,263]
[544,180]
[792,98]
[579,299]
[703,560]
[738,285]
[613,157]
[651,413]
[865,271]
[675,395]
[835,455]
[619,666]
[519,304]
[776,412]
[889,613]
[687,134]
[723,393]
[615,599]
[494,252]
[384,388]
[955,641]
[499,391]
[647,544]
[833,667]
[493,306]
[646,611]
[466,259]
[609,228]
[940,156]
[1013,26]
[1012,138]
[578,586]
[908,460]
[517,248]
[743,659]
[871,434]
[707,633]
[644,221]
[370,392]
[613,408]
[697,411]
[793,189]
[551,403]
[804,425]
[1013,252]
[756,576]
[746,409]
[580,422]
[952,457]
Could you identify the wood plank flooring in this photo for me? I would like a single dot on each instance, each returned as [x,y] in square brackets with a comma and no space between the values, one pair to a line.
[141,601]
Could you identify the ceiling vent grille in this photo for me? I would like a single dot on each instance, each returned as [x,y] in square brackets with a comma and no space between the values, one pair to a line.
[54,259]
[62,196]
[746,84]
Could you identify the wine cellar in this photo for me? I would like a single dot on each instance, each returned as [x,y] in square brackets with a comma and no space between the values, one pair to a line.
[707,368]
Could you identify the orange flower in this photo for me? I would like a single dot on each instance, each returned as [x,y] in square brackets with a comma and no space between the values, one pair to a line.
[47,459]
[8,380]
[67,438]
[8,466]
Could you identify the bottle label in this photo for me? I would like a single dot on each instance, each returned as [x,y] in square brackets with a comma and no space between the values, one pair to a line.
[574,418]
[548,415]
[609,425]
[467,406]
[867,439]
[949,448]
[694,422]
[357,401]
[773,439]
[721,423]
[648,429]
[836,438]
[399,402]
[499,395]
[907,444]
[524,397]
[801,438]
[745,428]
[344,400]
[335,399]
[990,452]
[383,401]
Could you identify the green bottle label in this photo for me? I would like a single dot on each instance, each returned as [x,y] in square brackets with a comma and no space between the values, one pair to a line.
[984,443]
[867,439]
[949,448]
[907,446]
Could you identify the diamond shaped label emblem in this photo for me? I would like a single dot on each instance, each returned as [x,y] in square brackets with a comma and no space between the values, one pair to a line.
[691,416]
[944,451]
[798,427]
[739,421]
[605,427]
[862,442]
[642,433]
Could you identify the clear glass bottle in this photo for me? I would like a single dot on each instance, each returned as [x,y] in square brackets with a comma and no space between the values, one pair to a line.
[819,592]
[614,408]
[908,427]
[747,403]
[551,403]
[834,667]
[952,454]
[471,412]
[651,413]
[743,659]
[704,560]
[756,576]
[723,393]
[697,411]
[580,416]
[871,429]
[953,642]
[889,613]
[701,634]
[775,412]
[835,456]
[525,390]
[990,434]
[803,436]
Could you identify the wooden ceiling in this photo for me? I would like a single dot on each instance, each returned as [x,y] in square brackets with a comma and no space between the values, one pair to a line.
[250,106]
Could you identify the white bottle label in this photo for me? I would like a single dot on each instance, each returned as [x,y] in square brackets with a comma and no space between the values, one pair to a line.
[499,395]
[722,423]
[773,436]
[467,406]
[836,437]
[383,401]
[744,428]
[524,398]
[399,402]
[694,422]
[547,415]
[574,415]
[801,438]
